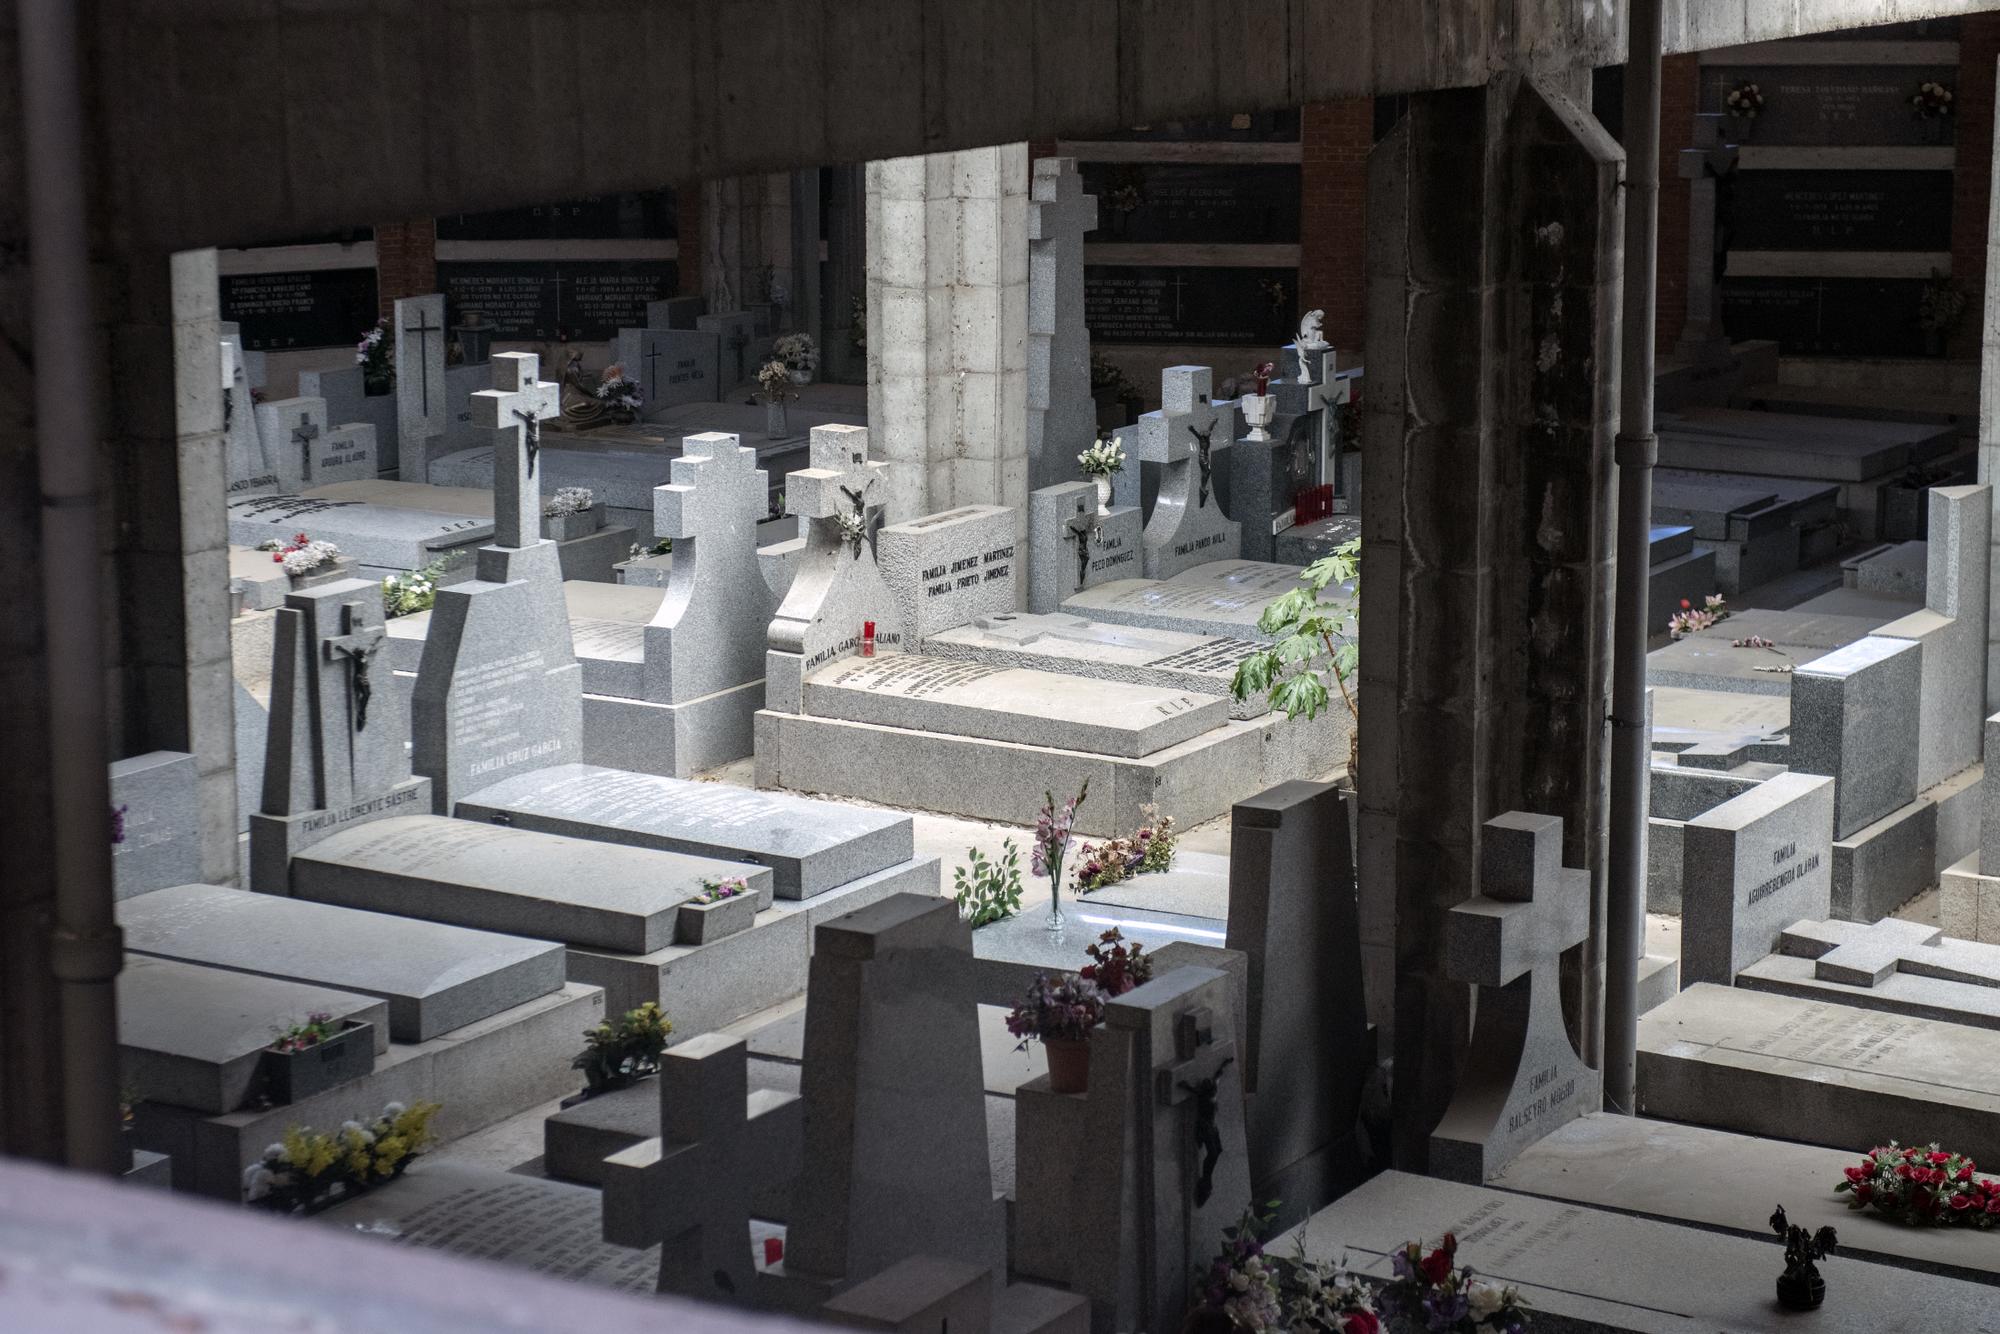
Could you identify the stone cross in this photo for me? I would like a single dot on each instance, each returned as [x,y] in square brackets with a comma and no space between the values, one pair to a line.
[1082,528]
[709,632]
[423,329]
[1061,416]
[838,483]
[515,407]
[652,371]
[689,1190]
[1866,956]
[358,642]
[1186,528]
[1523,1078]
[303,435]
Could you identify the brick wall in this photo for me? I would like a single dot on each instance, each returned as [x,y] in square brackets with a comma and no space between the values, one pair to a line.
[1334,141]
[1972,177]
[405,260]
[1680,80]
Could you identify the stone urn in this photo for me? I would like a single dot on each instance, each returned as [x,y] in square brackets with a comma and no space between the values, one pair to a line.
[776,421]
[1069,1064]
[1103,481]
[1258,410]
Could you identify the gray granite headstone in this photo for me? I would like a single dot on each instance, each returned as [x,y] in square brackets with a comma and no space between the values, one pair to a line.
[293,429]
[1750,867]
[1072,547]
[1062,419]
[345,454]
[672,366]
[383,537]
[1953,682]
[675,312]
[420,385]
[710,631]
[499,690]
[348,402]
[1187,527]
[157,797]
[838,587]
[740,352]
[946,569]
[335,742]
[1854,719]
[251,470]
[1523,1078]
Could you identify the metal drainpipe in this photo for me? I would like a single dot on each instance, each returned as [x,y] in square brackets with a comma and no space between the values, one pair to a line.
[85,949]
[1637,448]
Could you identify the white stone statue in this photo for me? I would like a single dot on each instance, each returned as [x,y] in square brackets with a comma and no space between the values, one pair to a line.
[1310,329]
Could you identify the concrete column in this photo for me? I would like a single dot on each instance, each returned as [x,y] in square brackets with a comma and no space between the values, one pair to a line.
[746,242]
[843,359]
[947,327]
[1989,429]
[1493,268]
[172,676]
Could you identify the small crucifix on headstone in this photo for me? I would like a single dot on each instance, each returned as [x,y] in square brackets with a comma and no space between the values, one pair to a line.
[423,329]
[1084,527]
[1197,1076]
[358,642]
[835,489]
[306,432]
[515,407]
[1202,440]
[652,358]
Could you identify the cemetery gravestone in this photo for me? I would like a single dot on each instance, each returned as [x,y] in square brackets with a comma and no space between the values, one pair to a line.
[1073,646]
[380,538]
[1952,679]
[675,312]
[710,630]
[1854,718]
[292,428]
[672,366]
[334,747]
[345,454]
[946,569]
[155,807]
[250,470]
[1062,419]
[740,354]
[420,382]
[1072,547]
[348,403]
[499,690]
[1749,867]
[1523,1078]
[1903,967]
[1187,527]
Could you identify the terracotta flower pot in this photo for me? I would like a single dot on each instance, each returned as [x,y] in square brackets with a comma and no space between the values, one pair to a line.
[1069,1064]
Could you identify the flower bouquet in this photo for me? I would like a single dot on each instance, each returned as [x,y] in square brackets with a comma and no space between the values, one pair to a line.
[799,354]
[1922,1186]
[1931,101]
[302,555]
[310,1169]
[1150,849]
[617,1054]
[1059,1013]
[1691,618]
[1116,966]
[378,372]
[619,392]
[1052,838]
[1432,1292]
[1745,101]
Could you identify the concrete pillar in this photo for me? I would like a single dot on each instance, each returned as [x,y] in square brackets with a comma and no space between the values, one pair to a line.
[172,680]
[746,242]
[947,327]
[844,357]
[1493,269]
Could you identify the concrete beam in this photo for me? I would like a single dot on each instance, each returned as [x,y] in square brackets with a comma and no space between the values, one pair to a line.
[229,122]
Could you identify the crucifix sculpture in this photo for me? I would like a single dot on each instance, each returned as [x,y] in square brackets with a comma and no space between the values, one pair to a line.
[1083,527]
[307,432]
[1201,444]
[423,329]
[514,408]
[652,385]
[359,642]
[531,439]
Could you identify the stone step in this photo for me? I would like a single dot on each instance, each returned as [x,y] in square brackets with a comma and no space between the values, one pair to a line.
[1826,1073]
[436,978]
[1587,1268]
[810,846]
[1016,705]
[195,1037]
[581,892]
[482,1073]
[1716,1179]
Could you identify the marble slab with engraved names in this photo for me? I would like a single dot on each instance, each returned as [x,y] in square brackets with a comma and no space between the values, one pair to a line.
[375,536]
[1224,597]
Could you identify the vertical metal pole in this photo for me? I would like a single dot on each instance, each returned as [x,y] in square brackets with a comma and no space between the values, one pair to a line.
[85,950]
[1636,450]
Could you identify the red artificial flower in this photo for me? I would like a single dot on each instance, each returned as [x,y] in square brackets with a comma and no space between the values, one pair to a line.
[1903,1170]
[1685,604]
[1864,1193]
[1436,1266]
[1857,1174]
[1964,1173]
[1993,1204]
[1940,1158]
[1360,1322]
[1960,1203]
[277,558]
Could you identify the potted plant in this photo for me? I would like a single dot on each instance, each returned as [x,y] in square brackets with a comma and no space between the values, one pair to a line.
[619,393]
[372,354]
[308,561]
[617,1054]
[311,1057]
[1059,1013]
[1104,459]
[310,1169]
[1800,1287]
[988,891]
[1312,641]
[572,512]
[774,386]
[800,356]
[723,908]
[1052,837]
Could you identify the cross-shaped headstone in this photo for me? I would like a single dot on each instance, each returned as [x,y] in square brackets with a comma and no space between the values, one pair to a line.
[516,406]
[303,435]
[1523,1078]
[709,631]
[359,641]
[839,484]
[1867,955]
[423,329]
[689,1191]
[1059,213]
[1185,433]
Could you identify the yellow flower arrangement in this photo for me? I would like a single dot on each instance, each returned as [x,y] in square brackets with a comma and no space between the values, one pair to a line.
[308,1167]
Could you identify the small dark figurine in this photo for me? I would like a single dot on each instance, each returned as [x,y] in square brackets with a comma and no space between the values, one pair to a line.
[1800,1287]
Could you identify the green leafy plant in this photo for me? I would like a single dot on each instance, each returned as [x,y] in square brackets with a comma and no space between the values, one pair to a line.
[987,890]
[414,590]
[1315,645]
[616,1054]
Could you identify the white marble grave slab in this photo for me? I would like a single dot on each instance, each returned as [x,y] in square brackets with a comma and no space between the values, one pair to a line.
[377,536]
[1058,642]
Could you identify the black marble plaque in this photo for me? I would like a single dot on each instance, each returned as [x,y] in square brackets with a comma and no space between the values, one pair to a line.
[585,300]
[650,213]
[1853,105]
[1194,203]
[1186,304]
[1863,317]
[319,308]
[1841,210]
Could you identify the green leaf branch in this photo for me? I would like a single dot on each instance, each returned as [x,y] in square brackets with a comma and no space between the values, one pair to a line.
[1314,654]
